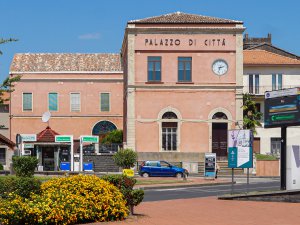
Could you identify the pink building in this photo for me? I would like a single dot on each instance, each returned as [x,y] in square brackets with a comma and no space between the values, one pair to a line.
[83,92]
[182,85]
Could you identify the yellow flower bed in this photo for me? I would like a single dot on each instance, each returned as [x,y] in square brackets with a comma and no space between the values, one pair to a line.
[75,199]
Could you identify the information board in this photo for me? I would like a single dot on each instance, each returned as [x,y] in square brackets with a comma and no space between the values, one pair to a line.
[282,110]
[240,152]
[210,165]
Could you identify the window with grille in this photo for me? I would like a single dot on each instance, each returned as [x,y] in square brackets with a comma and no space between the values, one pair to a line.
[104,102]
[154,68]
[27,101]
[53,102]
[169,131]
[2,156]
[275,146]
[75,102]
[184,69]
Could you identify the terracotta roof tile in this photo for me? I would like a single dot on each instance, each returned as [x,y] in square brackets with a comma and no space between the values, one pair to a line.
[56,62]
[262,57]
[4,140]
[183,18]
[47,135]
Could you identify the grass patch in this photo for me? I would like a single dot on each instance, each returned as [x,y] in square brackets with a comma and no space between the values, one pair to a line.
[149,181]
[265,157]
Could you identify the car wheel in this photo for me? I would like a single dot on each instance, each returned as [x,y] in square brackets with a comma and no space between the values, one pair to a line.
[145,175]
[178,175]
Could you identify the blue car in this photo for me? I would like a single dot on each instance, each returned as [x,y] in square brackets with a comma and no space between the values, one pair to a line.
[161,169]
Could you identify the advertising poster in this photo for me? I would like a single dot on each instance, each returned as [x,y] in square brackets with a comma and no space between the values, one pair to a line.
[240,152]
[210,165]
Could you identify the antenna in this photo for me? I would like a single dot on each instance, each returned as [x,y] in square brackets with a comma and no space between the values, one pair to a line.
[46,117]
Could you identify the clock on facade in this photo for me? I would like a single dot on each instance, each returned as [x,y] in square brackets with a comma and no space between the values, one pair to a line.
[220,67]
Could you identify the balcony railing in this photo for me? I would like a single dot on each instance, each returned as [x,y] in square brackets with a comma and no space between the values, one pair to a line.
[260,90]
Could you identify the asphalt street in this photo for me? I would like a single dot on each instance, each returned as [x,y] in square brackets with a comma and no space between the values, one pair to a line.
[256,184]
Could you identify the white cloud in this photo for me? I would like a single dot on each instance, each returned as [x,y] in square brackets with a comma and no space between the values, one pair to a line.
[90,36]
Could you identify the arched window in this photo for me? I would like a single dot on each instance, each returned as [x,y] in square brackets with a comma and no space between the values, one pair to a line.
[219,116]
[103,127]
[169,126]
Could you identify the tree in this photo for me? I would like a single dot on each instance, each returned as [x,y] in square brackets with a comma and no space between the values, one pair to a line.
[115,136]
[8,83]
[125,158]
[251,114]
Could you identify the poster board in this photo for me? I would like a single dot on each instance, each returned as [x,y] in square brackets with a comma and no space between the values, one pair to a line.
[210,165]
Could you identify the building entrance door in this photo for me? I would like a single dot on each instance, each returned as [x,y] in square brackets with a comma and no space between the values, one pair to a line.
[219,139]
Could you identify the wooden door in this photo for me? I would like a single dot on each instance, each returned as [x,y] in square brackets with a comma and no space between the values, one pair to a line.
[219,139]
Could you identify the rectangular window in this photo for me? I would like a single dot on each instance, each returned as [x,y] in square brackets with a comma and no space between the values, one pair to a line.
[154,68]
[75,102]
[275,146]
[254,83]
[184,69]
[105,103]
[53,102]
[2,156]
[4,108]
[169,136]
[276,82]
[27,101]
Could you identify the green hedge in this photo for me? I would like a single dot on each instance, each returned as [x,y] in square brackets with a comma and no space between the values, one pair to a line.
[265,157]
[22,186]
[125,185]
[24,166]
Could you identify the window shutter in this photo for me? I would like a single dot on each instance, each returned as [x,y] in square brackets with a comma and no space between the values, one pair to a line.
[27,101]
[104,102]
[75,102]
[53,102]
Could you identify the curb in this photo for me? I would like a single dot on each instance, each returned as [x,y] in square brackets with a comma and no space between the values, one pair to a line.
[182,186]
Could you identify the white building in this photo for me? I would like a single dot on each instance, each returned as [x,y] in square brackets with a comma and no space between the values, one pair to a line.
[268,68]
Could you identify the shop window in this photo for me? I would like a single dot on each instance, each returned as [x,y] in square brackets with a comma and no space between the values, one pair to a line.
[184,69]
[154,68]
[75,102]
[275,146]
[2,156]
[105,102]
[169,131]
[27,101]
[53,102]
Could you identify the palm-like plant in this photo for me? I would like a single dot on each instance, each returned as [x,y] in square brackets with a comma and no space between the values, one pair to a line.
[251,114]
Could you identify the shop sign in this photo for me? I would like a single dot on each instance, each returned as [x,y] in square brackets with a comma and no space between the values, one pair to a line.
[28,145]
[240,152]
[63,138]
[92,139]
[28,137]
[128,172]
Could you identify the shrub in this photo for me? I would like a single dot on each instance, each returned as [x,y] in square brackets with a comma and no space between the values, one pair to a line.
[265,157]
[24,166]
[125,185]
[1,167]
[70,200]
[125,158]
[115,136]
[22,186]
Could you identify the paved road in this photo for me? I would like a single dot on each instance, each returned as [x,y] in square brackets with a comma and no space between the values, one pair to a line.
[205,191]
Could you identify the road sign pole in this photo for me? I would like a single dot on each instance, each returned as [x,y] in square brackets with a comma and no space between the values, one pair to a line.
[283,159]
[232,180]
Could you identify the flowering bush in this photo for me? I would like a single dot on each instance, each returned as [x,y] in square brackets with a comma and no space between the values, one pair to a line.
[75,199]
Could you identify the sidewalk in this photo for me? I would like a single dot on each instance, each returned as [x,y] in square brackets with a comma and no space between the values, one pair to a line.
[210,211]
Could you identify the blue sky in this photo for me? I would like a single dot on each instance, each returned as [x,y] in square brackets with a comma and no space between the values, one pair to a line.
[95,26]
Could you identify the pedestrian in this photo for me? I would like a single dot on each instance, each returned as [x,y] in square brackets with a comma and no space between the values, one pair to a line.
[217,170]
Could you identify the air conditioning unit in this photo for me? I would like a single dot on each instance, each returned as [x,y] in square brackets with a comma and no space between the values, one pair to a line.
[27,152]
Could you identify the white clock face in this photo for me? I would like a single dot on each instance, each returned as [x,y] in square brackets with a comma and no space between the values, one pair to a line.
[220,67]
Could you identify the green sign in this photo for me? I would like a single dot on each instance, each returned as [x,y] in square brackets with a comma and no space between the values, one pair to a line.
[63,138]
[93,139]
